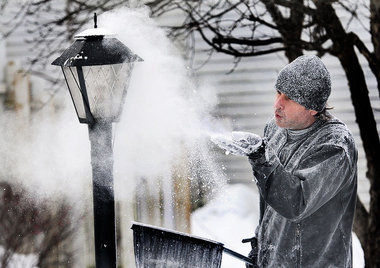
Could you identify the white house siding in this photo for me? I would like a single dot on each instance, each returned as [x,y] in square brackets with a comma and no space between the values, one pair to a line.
[18,49]
[245,96]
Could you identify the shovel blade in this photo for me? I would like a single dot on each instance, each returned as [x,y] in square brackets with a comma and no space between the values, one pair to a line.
[157,247]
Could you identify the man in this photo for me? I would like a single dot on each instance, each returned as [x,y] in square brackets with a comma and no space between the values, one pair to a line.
[306,171]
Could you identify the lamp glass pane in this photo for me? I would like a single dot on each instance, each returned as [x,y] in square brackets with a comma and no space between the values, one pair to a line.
[106,88]
[71,76]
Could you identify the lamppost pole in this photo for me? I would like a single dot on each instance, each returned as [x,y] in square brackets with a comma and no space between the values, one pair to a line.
[97,69]
[100,134]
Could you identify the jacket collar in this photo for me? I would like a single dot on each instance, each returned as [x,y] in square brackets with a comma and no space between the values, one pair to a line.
[301,133]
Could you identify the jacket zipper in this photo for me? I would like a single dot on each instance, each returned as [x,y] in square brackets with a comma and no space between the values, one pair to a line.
[298,241]
[282,145]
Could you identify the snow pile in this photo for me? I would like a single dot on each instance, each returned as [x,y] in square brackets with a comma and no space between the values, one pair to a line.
[20,260]
[232,216]
[357,252]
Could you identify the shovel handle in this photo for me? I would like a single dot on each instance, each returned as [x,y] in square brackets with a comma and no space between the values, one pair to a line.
[238,255]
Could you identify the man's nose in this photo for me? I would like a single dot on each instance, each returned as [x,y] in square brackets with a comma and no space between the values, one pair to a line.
[279,102]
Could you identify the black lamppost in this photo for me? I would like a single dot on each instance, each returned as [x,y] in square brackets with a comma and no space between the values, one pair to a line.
[97,69]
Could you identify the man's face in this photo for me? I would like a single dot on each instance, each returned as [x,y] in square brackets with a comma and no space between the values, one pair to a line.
[289,114]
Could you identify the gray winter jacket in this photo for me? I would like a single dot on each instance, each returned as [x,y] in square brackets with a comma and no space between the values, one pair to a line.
[307,184]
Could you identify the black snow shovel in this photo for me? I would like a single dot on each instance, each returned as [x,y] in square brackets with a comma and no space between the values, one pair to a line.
[157,247]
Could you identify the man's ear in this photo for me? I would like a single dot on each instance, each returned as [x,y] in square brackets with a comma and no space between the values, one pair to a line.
[313,112]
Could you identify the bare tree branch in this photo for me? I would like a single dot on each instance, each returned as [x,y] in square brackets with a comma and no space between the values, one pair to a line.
[230,40]
[26,221]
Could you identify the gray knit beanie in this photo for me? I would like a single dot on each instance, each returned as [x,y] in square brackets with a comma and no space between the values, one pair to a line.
[306,81]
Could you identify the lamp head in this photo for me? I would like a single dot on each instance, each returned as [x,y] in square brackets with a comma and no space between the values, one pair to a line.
[97,68]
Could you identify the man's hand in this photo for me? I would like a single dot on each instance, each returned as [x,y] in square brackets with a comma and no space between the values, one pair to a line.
[240,143]
[254,251]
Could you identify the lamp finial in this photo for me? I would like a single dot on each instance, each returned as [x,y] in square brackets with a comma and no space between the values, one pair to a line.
[95,21]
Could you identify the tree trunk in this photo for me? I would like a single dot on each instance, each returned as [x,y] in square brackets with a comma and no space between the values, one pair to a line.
[375,26]
[291,28]
[369,135]
[375,37]
[361,222]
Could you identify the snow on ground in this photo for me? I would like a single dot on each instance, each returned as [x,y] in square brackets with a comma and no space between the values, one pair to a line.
[20,260]
[233,215]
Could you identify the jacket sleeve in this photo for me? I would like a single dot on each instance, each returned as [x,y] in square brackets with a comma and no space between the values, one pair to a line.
[295,195]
